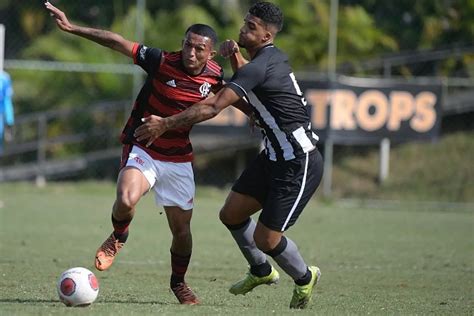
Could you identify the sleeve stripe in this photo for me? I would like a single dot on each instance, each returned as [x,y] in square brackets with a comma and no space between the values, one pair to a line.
[239,86]
[134,52]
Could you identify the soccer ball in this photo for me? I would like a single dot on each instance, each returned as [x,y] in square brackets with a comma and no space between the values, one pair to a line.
[78,287]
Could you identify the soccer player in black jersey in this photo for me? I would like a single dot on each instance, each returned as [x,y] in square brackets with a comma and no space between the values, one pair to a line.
[175,81]
[284,176]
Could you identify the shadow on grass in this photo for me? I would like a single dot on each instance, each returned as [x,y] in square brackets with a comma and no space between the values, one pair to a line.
[105,302]
[23,301]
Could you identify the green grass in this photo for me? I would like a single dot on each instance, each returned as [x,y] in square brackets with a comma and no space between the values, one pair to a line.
[440,171]
[390,259]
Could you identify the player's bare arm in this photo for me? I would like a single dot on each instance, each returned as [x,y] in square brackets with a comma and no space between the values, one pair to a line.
[241,104]
[244,107]
[154,126]
[230,49]
[102,37]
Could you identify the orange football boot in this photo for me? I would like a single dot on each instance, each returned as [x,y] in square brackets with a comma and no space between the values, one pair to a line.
[106,253]
[184,294]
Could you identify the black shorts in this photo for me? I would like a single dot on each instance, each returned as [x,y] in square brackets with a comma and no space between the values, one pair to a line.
[283,188]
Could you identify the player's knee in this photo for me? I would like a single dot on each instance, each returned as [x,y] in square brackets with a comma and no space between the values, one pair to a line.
[126,200]
[265,244]
[181,232]
[223,217]
[229,218]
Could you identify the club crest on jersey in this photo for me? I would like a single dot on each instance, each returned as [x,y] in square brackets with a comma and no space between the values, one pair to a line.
[205,88]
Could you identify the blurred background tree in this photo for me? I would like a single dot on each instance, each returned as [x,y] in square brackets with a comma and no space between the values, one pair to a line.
[366,29]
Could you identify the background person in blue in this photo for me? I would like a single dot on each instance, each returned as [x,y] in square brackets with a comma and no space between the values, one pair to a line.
[6,109]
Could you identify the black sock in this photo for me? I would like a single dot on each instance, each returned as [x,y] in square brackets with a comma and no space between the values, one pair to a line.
[175,280]
[261,270]
[179,266]
[121,228]
[305,279]
[122,237]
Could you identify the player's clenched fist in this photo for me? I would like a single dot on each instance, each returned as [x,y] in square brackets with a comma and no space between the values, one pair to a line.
[228,48]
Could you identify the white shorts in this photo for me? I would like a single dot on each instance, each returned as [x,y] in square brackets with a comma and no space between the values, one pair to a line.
[172,182]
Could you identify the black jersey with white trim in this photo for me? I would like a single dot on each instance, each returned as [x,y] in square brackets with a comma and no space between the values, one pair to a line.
[281,109]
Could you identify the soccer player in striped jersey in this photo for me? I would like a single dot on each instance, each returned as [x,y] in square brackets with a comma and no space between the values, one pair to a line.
[282,179]
[175,81]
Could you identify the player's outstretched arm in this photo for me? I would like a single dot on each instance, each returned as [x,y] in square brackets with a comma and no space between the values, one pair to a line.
[102,37]
[154,126]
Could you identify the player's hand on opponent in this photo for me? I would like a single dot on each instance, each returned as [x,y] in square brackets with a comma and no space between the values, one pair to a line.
[228,48]
[61,19]
[153,127]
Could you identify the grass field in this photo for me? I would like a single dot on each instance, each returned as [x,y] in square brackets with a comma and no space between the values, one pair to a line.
[438,171]
[399,259]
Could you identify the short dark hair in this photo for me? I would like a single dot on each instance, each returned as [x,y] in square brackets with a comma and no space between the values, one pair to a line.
[268,13]
[203,30]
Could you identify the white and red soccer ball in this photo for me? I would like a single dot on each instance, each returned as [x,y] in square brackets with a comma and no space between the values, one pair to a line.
[78,287]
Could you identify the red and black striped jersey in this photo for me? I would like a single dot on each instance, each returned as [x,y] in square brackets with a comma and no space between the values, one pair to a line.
[168,90]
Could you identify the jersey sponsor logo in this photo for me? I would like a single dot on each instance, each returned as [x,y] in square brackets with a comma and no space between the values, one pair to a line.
[171,83]
[142,52]
[205,88]
[139,160]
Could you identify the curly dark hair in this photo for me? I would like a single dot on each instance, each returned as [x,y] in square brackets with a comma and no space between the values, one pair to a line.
[269,13]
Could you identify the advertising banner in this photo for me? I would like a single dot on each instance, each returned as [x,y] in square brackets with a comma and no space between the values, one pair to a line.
[366,111]
[361,111]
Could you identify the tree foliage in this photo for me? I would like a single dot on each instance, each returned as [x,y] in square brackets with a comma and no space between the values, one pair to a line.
[366,29]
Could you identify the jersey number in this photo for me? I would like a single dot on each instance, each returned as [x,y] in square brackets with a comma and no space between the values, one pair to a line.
[298,90]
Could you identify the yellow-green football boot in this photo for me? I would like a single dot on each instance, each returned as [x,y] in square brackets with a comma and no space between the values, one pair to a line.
[302,293]
[251,281]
